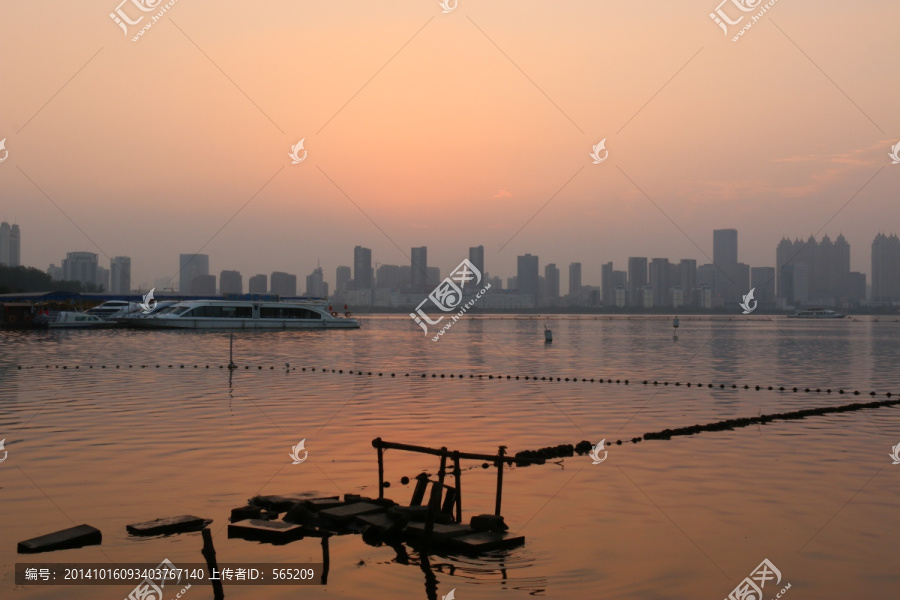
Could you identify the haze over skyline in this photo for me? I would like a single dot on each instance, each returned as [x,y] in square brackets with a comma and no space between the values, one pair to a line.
[444,130]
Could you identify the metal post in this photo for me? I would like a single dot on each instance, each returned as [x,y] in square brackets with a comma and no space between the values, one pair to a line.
[434,502]
[209,553]
[500,464]
[231,364]
[457,476]
[380,469]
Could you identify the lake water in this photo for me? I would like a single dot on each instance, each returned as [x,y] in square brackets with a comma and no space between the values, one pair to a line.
[686,518]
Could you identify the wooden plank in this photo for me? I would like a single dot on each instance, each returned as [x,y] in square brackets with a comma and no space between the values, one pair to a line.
[73,537]
[166,525]
[343,514]
[486,541]
[272,532]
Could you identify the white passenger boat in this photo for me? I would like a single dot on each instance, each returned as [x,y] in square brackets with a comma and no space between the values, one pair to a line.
[242,314]
[70,319]
[816,313]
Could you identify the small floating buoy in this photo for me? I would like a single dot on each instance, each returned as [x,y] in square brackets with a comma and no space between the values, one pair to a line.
[675,322]
[548,335]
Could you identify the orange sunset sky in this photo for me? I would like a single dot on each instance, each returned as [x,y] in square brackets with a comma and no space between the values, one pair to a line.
[445,130]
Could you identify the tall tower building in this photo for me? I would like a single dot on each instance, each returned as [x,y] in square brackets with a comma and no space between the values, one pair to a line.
[551,276]
[81,266]
[259,284]
[607,285]
[886,268]
[637,279]
[476,257]
[342,279]
[120,275]
[527,277]
[661,281]
[190,266]
[4,244]
[725,259]
[418,270]
[315,284]
[574,278]
[15,246]
[283,284]
[231,282]
[362,268]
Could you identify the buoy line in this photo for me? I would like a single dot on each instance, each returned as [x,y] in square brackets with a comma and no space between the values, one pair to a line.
[482,376]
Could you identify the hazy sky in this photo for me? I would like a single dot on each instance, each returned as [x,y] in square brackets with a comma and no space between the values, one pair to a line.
[446,130]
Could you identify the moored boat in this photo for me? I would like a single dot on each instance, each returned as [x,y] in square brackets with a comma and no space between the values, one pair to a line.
[816,313]
[241,314]
[70,319]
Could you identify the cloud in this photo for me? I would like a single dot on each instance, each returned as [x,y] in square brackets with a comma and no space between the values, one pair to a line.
[501,193]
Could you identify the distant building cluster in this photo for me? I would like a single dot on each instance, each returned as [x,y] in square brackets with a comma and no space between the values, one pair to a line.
[806,273]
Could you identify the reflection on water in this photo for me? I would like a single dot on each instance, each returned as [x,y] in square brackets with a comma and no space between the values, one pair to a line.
[120,440]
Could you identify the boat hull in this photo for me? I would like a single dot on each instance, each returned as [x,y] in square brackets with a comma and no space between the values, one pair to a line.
[224,323]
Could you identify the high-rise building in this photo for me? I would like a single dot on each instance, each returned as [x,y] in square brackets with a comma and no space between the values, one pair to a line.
[231,282]
[120,275]
[189,266]
[512,284]
[342,279]
[362,268]
[527,275]
[102,279]
[574,278]
[80,266]
[387,277]
[476,257]
[725,258]
[607,287]
[885,268]
[686,278]
[857,288]
[55,273]
[4,244]
[203,285]
[551,277]
[418,270]
[283,284]
[259,284]
[662,281]
[315,284]
[827,266]
[433,275]
[762,281]
[637,279]
[10,245]
[15,246]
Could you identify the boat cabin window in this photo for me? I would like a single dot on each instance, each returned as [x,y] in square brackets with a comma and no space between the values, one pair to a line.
[180,310]
[287,312]
[222,312]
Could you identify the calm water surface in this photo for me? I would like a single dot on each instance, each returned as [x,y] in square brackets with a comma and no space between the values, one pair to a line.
[686,518]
